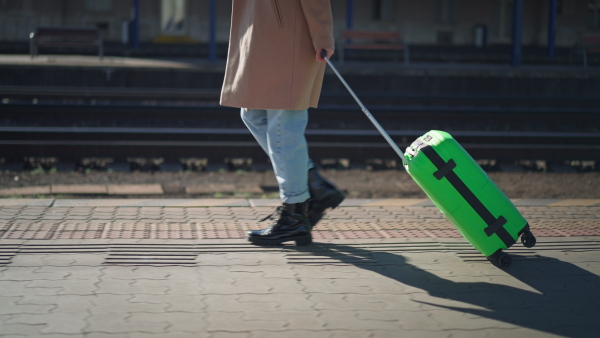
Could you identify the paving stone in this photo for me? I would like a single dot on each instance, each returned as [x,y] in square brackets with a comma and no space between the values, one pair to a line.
[118,323]
[456,320]
[186,303]
[67,287]
[327,286]
[10,288]
[296,320]
[386,302]
[9,306]
[225,303]
[347,320]
[8,302]
[110,335]
[183,287]
[277,271]
[280,301]
[359,334]
[238,286]
[20,330]
[178,321]
[33,273]
[132,273]
[316,271]
[229,259]
[324,301]
[153,283]
[171,334]
[62,303]
[234,322]
[233,303]
[120,272]
[44,291]
[117,286]
[80,260]
[430,334]
[292,334]
[183,274]
[54,323]
[375,285]
[54,259]
[151,272]
[274,285]
[231,272]
[108,303]
[232,335]
[146,298]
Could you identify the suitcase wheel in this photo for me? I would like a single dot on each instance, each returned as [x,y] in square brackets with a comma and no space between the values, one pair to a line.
[528,239]
[504,261]
[500,259]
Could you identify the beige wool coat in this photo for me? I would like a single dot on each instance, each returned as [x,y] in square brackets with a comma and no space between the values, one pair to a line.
[271,62]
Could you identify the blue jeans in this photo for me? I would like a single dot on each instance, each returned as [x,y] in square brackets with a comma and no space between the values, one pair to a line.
[281,135]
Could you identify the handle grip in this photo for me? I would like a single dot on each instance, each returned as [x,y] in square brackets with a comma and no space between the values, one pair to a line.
[323,54]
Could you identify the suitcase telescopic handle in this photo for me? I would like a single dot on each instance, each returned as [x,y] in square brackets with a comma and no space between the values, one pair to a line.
[365,110]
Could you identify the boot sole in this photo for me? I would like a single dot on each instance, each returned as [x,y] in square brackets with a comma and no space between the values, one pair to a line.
[300,240]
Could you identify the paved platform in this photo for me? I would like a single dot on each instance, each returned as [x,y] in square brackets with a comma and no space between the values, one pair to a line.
[44,219]
[378,268]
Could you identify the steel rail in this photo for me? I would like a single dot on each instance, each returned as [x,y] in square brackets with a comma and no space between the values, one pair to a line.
[333,132]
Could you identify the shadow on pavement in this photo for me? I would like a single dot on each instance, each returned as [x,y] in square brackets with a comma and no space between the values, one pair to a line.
[567,301]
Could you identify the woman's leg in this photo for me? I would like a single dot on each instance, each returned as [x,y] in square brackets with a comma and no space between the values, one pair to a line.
[256,121]
[323,194]
[288,151]
[281,134]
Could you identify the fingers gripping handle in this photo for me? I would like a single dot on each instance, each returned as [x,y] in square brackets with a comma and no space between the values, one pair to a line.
[365,110]
[324,54]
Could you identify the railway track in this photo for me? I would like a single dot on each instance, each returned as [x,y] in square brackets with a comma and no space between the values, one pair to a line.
[72,123]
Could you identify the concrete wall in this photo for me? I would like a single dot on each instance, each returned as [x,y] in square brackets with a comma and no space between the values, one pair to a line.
[417,20]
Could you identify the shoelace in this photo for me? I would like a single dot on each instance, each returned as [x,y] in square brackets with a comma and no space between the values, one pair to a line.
[275,215]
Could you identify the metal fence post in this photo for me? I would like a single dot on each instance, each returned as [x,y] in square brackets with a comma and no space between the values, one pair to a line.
[552,28]
[212,39]
[517,33]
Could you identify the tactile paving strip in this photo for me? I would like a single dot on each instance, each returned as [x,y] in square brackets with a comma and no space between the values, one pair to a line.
[79,230]
[317,254]
[135,222]
[31,230]
[152,255]
[519,253]
[7,252]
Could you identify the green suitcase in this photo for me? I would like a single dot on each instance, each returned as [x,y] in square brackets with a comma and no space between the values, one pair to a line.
[465,194]
[460,189]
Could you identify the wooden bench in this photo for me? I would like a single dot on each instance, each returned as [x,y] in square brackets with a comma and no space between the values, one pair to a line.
[590,45]
[372,40]
[65,37]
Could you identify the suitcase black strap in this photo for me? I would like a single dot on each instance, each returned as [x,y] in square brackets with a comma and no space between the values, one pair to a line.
[446,169]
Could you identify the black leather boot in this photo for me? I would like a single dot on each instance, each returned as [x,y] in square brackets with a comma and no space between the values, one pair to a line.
[291,224]
[323,195]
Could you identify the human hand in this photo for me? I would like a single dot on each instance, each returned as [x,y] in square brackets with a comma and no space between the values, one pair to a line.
[329,51]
